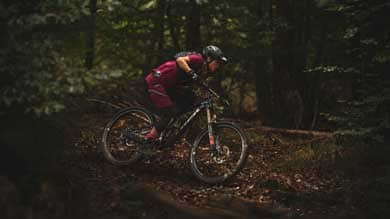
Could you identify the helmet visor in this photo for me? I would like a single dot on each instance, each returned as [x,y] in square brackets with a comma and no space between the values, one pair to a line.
[223,59]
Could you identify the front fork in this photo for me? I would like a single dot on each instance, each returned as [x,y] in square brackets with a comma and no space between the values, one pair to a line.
[211,119]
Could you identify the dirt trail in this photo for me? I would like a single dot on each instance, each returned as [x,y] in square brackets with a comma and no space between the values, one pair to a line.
[268,186]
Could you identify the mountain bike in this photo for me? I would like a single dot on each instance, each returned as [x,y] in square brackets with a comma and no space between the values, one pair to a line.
[217,153]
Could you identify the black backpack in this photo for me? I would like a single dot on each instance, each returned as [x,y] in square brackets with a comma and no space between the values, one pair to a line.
[184,53]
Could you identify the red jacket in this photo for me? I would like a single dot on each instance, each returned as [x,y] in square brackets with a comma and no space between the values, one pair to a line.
[169,74]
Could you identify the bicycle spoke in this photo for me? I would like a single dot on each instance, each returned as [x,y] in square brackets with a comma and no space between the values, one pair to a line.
[124,135]
[217,164]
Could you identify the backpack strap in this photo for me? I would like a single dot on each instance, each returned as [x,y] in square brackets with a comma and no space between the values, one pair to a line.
[184,53]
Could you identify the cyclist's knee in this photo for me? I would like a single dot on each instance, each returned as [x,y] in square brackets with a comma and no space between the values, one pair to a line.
[170,111]
[165,115]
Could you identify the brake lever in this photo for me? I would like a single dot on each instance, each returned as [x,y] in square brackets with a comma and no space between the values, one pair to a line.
[226,102]
[223,100]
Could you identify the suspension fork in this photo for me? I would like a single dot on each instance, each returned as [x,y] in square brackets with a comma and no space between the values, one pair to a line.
[210,126]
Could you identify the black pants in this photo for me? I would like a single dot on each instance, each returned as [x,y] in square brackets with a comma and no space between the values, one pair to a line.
[183,97]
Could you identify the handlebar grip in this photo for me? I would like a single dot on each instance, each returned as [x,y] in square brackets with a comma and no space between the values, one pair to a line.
[204,84]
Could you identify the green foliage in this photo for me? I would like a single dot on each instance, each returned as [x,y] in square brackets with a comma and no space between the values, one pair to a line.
[334,54]
[354,89]
[53,78]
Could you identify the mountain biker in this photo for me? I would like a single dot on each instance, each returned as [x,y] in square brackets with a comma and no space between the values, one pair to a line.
[169,85]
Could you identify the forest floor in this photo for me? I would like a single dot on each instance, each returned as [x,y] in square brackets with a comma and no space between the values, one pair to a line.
[286,176]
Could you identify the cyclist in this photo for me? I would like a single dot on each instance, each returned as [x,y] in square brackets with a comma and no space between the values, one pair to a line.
[169,85]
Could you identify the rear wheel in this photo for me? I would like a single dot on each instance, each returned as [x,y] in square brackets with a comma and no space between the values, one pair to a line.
[123,135]
[215,165]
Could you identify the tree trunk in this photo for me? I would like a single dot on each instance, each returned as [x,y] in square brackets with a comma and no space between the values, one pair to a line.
[91,36]
[172,28]
[7,50]
[263,85]
[161,8]
[263,71]
[193,27]
[289,60]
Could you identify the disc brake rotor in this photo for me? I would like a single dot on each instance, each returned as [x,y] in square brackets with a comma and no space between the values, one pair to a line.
[222,155]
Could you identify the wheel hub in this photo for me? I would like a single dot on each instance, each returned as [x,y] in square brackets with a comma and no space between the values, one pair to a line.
[222,154]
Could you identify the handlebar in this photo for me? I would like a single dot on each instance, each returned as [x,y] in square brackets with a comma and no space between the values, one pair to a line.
[203,84]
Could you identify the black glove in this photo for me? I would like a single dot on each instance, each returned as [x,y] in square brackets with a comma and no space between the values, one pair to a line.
[194,76]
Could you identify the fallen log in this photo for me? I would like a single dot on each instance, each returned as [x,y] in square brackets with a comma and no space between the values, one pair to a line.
[222,207]
[294,131]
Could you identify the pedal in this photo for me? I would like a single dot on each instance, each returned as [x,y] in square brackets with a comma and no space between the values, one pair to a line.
[150,147]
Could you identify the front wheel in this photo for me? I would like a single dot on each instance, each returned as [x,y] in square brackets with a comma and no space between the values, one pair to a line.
[217,164]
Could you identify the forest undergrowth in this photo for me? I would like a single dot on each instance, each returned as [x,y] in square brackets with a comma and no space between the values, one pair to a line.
[286,176]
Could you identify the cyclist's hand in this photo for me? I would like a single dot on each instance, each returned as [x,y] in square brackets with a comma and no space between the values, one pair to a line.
[195,76]
[197,79]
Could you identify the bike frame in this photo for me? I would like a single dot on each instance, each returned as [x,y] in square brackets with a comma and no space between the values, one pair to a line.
[205,104]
